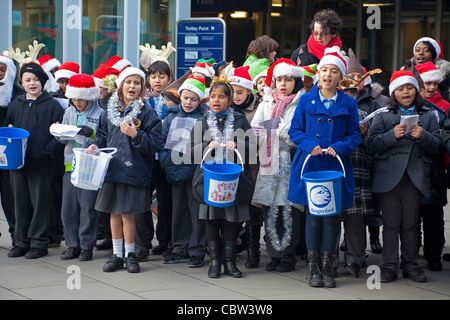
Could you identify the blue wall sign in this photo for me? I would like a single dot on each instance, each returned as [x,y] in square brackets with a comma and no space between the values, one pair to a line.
[198,38]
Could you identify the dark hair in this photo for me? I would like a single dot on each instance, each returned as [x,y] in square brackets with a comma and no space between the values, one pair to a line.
[418,102]
[262,47]
[227,88]
[329,20]
[298,85]
[160,67]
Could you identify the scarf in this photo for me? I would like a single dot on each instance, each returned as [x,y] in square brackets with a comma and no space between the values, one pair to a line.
[281,102]
[439,101]
[318,50]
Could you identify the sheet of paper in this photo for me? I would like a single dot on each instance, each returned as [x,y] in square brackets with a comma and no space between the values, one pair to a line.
[410,121]
[64,130]
[370,116]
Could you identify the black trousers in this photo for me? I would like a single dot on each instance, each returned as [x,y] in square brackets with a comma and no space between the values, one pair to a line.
[432,218]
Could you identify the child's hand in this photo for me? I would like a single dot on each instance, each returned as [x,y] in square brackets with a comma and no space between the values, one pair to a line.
[363,128]
[129,129]
[316,151]
[417,132]
[331,152]
[400,130]
[259,130]
[230,145]
[213,145]
[92,149]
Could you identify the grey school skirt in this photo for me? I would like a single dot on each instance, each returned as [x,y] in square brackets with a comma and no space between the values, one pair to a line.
[119,198]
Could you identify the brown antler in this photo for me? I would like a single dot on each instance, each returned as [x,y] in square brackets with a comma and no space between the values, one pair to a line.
[370,73]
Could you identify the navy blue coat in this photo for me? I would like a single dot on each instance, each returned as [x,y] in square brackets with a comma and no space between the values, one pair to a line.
[184,171]
[313,125]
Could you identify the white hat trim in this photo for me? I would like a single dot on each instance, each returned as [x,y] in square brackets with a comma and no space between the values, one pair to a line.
[99,82]
[241,82]
[90,94]
[433,42]
[284,69]
[63,73]
[400,81]
[51,64]
[209,72]
[129,72]
[194,89]
[121,64]
[431,76]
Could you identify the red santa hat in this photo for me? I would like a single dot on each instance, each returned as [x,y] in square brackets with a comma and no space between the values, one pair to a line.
[48,63]
[242,78]
[118,63]
[101,73]
[129,71]
[204,67]
[335,57]
[429,73]
[283,67]
[400,78]
[436,45]
[67,70]
[82,86]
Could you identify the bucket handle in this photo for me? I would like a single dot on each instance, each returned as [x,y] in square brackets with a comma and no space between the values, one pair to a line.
[113,150]
[309,156]
[235,150]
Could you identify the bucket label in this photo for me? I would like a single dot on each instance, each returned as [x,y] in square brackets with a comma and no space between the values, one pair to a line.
[222,191]
[3,158]
[321,198]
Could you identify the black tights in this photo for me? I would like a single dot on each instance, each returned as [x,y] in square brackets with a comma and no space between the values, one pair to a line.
[215,228]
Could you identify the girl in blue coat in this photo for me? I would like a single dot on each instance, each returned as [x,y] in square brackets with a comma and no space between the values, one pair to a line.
[325,118]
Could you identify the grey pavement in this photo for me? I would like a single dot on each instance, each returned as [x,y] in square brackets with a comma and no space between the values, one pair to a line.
[50,278]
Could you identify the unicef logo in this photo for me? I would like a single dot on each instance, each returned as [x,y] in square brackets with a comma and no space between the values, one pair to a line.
[320,196]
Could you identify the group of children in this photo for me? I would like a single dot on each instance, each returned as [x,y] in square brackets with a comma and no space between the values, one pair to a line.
[162,128]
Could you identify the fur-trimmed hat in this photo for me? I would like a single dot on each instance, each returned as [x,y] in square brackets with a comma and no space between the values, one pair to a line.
[283,67]
[118,63]
[48,63]
[205,67]
[82,86]
[196,85]
[101,73]
[129,71]
[429,73]
[334,56]
[6,89]
[436,46]
[67,70]
[400,78]
[242,78]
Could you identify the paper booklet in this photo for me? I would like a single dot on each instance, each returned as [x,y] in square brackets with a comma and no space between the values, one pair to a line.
[370,116]
[410,121]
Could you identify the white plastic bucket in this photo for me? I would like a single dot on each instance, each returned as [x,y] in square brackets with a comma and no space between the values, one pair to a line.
[324,190]
[89,170]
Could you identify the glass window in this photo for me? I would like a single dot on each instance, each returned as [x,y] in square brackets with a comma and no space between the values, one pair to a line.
[102,35]
[38,20]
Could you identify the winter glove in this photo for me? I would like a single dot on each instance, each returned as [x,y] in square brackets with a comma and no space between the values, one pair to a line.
[86,131]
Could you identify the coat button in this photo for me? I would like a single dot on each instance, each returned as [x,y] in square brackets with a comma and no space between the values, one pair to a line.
[330,120]
[320,120]
[318,136]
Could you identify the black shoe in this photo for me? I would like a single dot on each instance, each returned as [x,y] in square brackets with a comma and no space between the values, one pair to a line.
[416,275]
[86,255]
[434,265]
[114,263]
[375,246]
[132,263]
[159,249]
[143,256]
[387,275]
[104,245]
[195,262]
[352,269]
[71,253]
[17,251]
[35,253]
[272,265]
[284,266]
[175,258]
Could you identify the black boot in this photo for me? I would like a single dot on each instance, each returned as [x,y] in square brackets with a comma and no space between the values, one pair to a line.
[215,259]
[230,260]
[314,269]
[328,269]
[253,253]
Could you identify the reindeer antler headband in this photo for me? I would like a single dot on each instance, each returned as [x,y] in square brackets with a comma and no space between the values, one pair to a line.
[31,54]
[154,54]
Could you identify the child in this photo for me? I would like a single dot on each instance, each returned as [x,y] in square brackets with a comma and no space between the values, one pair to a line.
[35,112]
[281,220]
[245,101]
[204,69]
[431,79]
[401,173]
[8,93]
[50,65]
[159,77]
[62,77]
[217,128]
[188,231]
[78,215]
[325,118]
[136,132]
[259,82]
[105,78]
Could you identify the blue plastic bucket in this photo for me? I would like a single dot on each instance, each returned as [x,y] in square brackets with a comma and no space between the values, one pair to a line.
[324,190]
[13,146]
[221,182]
